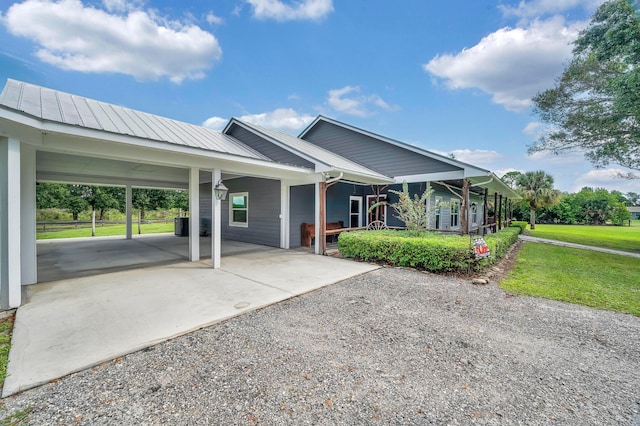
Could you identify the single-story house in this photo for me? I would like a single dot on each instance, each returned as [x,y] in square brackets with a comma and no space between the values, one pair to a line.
[276,182]
[635,212]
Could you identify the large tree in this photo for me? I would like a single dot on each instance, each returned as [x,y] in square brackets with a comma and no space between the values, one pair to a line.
[536,188]
[595,106]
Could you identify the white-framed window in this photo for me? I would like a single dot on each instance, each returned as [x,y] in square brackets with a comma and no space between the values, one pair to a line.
[474,213]
[438,206]
[380,212]
[455,213]
[355,212]
[239,209]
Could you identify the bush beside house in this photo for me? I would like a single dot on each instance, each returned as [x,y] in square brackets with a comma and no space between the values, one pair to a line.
[426,251]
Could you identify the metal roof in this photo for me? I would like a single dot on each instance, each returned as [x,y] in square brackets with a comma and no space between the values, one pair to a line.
[55,106]
[310,151]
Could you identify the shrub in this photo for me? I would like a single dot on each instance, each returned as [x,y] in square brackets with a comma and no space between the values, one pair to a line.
[521,225]
[430,251]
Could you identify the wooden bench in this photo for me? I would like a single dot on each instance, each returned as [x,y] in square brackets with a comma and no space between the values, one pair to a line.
[308,231]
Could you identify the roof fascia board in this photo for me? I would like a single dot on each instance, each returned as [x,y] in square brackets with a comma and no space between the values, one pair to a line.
[470,170]
[428,177]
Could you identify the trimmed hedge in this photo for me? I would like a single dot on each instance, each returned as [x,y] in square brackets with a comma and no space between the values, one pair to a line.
[522,225]
[427,251]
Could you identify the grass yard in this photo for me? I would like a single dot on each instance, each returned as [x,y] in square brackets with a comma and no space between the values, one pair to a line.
[624,238]
[107,230]
[600,280]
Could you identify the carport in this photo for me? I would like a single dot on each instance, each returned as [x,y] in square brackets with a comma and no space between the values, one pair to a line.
[48,135]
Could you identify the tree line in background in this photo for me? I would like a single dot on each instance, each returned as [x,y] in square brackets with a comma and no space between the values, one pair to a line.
[80,198]
[542,203]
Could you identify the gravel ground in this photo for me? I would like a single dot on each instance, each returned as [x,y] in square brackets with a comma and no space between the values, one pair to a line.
[391,346]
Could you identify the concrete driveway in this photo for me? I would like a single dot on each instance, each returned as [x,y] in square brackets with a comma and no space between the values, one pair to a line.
[72,324]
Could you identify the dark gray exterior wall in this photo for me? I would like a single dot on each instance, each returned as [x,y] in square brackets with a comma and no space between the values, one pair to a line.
[267,148]
[301,210]
[375,154]
[264,211]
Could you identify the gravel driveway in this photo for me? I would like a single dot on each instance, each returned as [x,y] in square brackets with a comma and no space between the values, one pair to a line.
[391,346]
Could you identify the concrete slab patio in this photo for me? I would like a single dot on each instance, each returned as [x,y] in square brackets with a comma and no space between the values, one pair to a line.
[72,324]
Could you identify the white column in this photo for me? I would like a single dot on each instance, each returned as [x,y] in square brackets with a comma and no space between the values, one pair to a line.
[194,214]
[28,247]
[285,197]
[216,226]
[129,210]
[317,246]
[10,263]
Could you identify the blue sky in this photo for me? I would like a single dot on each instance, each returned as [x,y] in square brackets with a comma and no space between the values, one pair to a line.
[453,77]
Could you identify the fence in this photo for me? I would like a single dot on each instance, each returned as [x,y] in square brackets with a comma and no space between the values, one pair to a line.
[52,226]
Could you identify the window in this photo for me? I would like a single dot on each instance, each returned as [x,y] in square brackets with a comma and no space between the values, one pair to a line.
[474,213]
[439,201]
[455,213]
[355,212]
[239,209]
[380,212]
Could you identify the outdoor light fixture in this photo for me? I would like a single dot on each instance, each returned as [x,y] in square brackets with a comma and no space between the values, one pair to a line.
[220,190]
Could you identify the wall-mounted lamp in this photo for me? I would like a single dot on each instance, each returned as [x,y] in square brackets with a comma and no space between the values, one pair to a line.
[220,191]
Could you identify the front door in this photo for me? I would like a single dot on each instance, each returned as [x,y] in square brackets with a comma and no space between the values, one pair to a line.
[380,212]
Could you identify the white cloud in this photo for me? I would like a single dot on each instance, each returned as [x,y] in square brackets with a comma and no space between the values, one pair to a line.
[348,100]
[502,172]
[511,64]
[537,8]
[213,19]
[298,10]
[532,128]
[216,123]
[74,37]
[285,120]
[609,179]
[477,157]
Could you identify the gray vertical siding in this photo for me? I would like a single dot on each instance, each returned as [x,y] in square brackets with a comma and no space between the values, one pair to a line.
[264,211]
[373,153]
[301,210]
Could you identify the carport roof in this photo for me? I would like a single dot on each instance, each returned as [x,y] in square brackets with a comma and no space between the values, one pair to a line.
[60,107]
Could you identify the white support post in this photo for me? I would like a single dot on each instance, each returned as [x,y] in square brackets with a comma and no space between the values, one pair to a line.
[216,215]
[28,214]
[10,250]
[194,214]
[129,210]
[285,197]
[317,247]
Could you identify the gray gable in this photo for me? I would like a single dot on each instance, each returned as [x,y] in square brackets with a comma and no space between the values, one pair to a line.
[372,152]
[267,148]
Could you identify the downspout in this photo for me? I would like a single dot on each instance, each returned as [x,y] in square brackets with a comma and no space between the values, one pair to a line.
[331,181]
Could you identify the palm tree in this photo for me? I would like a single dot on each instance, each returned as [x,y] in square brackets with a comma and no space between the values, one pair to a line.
[536,188]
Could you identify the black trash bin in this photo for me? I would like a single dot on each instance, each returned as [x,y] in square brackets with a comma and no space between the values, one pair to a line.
[181,225]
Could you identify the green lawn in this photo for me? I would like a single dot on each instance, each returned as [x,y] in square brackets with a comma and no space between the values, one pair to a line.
[599,280]
[107,230]
[624,238]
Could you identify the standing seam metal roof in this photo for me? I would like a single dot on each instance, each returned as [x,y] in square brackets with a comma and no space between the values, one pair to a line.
[65,108]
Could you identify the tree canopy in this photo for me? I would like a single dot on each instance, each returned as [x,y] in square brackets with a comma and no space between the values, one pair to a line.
[595,106]
[536,188]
